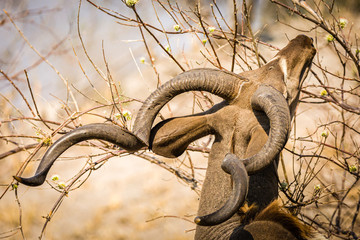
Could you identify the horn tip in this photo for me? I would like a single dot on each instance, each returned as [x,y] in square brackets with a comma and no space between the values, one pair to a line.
[17,178]
[197,220]
[34,181]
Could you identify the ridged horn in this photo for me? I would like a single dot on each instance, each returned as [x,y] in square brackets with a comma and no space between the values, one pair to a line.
[273,103]
[107,132]
[235,167]
[221,83]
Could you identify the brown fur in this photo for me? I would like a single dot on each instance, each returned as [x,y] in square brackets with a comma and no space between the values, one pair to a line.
[274,212]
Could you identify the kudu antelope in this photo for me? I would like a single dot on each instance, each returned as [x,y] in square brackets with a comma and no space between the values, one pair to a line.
[251,127]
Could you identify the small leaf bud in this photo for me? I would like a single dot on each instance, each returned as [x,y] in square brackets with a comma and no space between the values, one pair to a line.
[47,141]
[126,114]
[330,38]
[323,93]
[343,22]
[167,47]
[61,185]
[117,116]
[55,178]
[283,185]
[131,3]
[353,169]
[211,29]
[15,186]
[325,134]
[177,28]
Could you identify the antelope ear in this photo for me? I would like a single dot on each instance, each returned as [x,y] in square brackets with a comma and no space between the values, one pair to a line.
[171,137]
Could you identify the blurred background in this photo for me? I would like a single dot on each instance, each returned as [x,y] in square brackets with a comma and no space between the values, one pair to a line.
[93,63]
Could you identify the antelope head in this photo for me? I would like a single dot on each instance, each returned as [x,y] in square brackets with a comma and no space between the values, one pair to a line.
[250,126]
